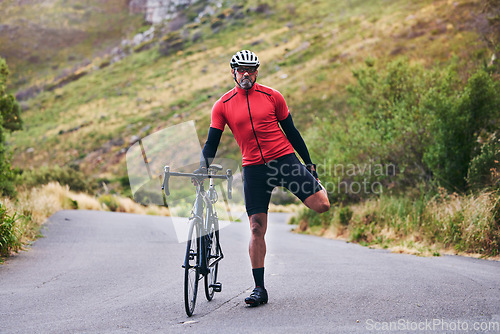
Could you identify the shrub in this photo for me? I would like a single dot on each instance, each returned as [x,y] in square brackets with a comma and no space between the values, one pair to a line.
[459,120]
[109,201]
[10,120]
[7,176]
[171,43]
[484,170]
[345,215]
[414,125]
[465,223]
[10,234]
[76,180]
[69,203]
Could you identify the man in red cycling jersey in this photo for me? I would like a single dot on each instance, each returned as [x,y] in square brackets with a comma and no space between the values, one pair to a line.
[253,112]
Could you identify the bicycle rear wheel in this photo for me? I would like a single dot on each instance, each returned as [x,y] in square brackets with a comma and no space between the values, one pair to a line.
[191,271]
[214,253]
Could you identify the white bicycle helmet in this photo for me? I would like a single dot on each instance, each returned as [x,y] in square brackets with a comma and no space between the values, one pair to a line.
[244,58]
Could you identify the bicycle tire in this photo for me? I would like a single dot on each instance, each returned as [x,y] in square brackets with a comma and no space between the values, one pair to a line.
[191,271]
[213,253]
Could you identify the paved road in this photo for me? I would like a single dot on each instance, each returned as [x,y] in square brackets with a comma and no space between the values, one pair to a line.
[98,272]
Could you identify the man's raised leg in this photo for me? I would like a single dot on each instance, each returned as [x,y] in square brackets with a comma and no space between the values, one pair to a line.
[318,202]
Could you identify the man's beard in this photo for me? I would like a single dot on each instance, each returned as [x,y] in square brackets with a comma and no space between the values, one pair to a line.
[246,83]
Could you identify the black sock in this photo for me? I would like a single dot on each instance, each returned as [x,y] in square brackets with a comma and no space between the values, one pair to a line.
[258,277]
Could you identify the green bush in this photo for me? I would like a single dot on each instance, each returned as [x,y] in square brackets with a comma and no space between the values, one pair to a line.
[69,203]
[484,170]
[171,43]
[459,118]
[345,215]
[10,120]
[110,202]
[76,180]
[314,219]
[405,125]
[7,176]
[384,134]
[9,232]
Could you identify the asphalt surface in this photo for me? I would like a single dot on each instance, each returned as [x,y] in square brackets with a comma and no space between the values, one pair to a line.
[100,272]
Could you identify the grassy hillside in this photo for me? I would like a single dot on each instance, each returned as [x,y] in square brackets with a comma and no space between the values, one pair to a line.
[308,52]
[44,39]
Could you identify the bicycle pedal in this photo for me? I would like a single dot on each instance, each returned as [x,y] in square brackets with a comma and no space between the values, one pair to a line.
[216,286]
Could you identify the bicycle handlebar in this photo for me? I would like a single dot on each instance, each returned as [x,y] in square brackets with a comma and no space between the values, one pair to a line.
[167,174]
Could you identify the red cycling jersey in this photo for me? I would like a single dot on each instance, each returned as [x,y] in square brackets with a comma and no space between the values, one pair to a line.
[253,115]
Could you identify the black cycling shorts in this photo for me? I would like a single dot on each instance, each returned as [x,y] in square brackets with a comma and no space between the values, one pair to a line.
[286,171]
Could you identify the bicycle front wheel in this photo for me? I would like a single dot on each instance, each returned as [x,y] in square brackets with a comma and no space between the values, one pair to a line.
[213,257]
[191,271]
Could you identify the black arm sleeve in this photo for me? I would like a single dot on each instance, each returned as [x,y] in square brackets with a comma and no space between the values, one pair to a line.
[295,139]
[210,148]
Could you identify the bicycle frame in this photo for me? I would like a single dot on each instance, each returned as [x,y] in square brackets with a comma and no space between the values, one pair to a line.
[203,200]
[202,232]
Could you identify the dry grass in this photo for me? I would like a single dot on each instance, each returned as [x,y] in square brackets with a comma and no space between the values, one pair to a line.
[85,202]
[446,224]
[43,201]
[127,205]
[291,208]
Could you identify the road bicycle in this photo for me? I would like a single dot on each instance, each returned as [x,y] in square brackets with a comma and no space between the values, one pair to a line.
[203,250]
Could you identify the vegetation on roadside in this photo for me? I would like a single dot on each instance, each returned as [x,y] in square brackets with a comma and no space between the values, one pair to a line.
[407,125]
[10,121]
[427,141]
[10,232]
[423,225]
[68,176]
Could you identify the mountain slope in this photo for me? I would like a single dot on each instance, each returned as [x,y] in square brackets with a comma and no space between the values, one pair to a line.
[308,51]
[40,39]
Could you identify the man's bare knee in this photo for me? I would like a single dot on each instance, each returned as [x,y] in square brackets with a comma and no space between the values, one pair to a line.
[257,225]
[322,207]
[257,230]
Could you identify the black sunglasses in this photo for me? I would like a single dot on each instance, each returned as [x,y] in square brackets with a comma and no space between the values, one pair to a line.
[250,70]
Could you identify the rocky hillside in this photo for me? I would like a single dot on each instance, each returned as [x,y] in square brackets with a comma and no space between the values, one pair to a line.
[157,11]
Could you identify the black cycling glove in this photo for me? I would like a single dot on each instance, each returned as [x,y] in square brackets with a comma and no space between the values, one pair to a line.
[312,169]
[201,170]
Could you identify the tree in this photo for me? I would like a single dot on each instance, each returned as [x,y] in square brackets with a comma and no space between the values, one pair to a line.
[10,121]
[460,122]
